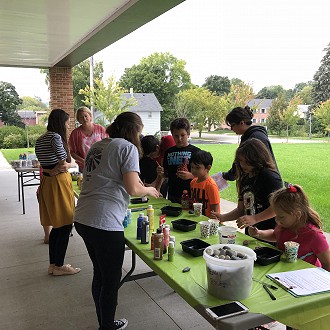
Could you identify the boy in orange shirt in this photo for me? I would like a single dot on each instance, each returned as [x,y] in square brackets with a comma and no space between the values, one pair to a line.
[203,188]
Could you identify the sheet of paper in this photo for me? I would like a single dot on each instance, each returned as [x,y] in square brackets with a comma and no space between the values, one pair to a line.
[220,181]
[304,281]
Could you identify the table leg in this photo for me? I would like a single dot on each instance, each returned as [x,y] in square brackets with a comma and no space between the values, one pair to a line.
[19,186]
[22,186]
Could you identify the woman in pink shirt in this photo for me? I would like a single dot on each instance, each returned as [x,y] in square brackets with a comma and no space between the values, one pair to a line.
[84,136]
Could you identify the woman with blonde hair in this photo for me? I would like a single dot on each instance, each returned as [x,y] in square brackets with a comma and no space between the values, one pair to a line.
[84,136]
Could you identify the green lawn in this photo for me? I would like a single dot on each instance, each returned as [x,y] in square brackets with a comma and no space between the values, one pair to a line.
[304,164]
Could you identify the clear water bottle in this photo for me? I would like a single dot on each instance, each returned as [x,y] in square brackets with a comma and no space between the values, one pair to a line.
[129,216]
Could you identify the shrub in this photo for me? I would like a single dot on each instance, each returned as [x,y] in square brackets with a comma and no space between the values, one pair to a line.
[6,131]
[13,141]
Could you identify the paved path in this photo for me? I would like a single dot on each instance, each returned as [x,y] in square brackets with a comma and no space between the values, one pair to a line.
[232,139]
[4,165]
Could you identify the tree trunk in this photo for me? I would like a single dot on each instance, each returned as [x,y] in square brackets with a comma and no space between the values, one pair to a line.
[200,134]
[287,133]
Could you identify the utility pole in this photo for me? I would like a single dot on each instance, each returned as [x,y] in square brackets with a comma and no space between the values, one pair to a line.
[91,80]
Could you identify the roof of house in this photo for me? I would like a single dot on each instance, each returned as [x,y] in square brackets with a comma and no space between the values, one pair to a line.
[260,103]
[145,102]
[27,114]
[303,107]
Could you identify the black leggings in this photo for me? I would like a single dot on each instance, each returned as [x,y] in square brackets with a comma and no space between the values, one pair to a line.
[58,243]
[106,250]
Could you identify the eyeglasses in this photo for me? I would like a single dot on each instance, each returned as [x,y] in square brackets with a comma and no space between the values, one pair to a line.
[231,125]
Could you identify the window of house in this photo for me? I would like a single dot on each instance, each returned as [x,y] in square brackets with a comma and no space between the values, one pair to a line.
[263,120]
[150,115]
[254,120]
[263,110]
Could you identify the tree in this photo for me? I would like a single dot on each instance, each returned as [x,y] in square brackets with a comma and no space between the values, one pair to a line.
[217,84]
[161,74]
[107,98]
[239,95]
[321,83]
[80,79]
[289,116]
[274,121]
[270,92]
[32,104]
[201,107]
[322,112]
[305,95]
[9,100]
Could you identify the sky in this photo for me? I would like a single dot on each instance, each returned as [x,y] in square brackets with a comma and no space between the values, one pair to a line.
[262,42]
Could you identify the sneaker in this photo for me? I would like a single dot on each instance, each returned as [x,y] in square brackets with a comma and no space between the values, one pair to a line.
[120,324]
[65,270]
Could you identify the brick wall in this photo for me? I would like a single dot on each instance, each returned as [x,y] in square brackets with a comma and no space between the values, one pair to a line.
[61,91]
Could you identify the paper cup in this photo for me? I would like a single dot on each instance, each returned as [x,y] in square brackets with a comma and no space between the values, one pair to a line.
[291,251]
[214,226]
[205,229]
[227,235]
[198,208]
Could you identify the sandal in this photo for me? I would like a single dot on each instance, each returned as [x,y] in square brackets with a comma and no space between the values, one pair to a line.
[65,270]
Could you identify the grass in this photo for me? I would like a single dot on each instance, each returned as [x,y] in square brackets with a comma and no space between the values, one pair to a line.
[306,164]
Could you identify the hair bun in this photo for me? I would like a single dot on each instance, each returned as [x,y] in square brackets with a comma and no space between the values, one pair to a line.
[249,111]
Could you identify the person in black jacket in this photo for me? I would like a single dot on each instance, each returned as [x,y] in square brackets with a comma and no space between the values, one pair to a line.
[240,121]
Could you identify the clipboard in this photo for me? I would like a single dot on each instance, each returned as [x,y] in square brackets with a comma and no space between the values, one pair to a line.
[303,282]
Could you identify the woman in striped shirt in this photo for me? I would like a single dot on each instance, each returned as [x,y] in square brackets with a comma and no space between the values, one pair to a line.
[56,198]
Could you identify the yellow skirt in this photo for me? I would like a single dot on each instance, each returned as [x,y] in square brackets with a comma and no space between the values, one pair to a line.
[56,200]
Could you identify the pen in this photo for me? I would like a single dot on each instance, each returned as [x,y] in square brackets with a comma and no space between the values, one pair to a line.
[266,284]
[138,209]
[268,291]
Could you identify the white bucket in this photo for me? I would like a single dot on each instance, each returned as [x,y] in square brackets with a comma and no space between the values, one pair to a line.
[230,279]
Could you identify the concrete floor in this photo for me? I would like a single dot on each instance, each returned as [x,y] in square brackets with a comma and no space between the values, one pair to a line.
[31,299]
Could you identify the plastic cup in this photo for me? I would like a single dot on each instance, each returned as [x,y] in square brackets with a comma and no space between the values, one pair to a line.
[205,229]
[214,226]
[198,208]
[227,235]
[291,251]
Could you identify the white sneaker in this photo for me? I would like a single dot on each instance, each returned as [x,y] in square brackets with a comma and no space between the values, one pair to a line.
[120,324]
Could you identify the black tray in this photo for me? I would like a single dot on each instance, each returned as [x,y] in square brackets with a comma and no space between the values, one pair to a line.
[194,246]
[139,200]
[173,211]
[184,224]
[267,255]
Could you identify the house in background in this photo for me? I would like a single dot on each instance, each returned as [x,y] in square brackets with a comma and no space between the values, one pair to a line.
[260,109]
[147,107]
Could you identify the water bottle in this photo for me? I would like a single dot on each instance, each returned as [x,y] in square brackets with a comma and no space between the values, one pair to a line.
[129,216]
[185,200]
[125,223]
[145,231]
[139,226]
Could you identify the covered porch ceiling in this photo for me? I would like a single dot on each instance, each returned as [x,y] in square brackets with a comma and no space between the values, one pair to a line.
[48,33]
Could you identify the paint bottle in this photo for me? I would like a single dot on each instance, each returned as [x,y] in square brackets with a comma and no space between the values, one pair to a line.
[152,241]
[185,200]
[162,220]
[145,231]
[151,217]
[129,216]
[172,239]
[158,245]
[166,237]
[170,254]
[139,226]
